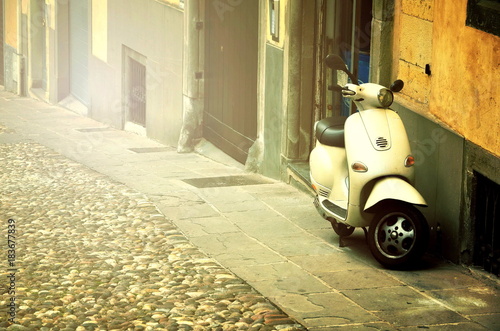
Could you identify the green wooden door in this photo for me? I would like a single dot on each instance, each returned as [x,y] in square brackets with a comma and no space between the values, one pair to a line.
[230,118]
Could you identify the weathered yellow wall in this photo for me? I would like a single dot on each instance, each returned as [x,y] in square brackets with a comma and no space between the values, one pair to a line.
[11,23]
[466,76]
[463,89]
[414,33]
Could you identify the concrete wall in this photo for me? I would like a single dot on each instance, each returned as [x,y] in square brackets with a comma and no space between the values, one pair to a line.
[273,115]
[12,73]
[154,30]
[439,170]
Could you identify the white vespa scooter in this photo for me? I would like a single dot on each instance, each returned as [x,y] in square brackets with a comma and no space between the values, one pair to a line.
[362,172]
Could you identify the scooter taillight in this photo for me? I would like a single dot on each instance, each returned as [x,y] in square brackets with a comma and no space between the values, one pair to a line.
[409,161]
[359,167]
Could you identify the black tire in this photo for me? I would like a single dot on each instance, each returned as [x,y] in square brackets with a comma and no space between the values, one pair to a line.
[398,235]
[341,229]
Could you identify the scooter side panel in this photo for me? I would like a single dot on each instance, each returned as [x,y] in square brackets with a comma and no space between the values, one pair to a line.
[380,163]
[328,167]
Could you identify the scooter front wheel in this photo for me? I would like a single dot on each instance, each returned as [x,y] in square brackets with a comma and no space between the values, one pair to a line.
[341,229]
[398,235]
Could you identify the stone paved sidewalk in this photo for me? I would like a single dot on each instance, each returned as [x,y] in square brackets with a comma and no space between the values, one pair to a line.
[93,254]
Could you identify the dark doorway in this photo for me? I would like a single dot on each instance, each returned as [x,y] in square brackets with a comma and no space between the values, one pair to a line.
[230,118]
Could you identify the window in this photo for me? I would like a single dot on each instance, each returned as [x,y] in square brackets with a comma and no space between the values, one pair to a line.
[484,15]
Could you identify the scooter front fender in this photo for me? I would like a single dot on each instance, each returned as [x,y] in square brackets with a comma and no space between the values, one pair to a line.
[396,189]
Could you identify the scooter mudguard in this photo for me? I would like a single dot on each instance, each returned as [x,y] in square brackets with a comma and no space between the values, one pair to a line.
[396,189]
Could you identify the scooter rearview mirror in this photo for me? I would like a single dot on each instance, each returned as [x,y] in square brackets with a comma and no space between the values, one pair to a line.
[335,62]
[397,85]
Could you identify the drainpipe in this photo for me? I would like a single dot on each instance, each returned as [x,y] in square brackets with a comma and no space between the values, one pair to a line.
[192,87]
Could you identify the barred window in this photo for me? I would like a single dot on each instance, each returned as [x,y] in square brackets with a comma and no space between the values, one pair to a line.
[484,15]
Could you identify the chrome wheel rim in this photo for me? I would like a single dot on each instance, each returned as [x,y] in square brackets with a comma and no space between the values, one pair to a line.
[395,235]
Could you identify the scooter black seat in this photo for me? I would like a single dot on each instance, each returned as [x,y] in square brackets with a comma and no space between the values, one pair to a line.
[330,131]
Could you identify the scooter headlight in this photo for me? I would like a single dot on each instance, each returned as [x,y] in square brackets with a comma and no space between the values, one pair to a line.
[385,97]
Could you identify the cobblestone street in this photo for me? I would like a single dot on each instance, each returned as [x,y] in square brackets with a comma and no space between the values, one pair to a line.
[93,254]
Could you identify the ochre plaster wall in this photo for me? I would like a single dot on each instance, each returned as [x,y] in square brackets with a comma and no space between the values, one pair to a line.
[465,90]
[414,33]
[11,23]
[462,90]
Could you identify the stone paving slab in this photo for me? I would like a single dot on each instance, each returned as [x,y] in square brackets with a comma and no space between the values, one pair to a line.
[269,234]
[358,279]
[336,261]
[470,301]
[414,316]
[320,309]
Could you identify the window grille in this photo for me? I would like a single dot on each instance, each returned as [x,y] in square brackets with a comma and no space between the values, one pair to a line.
[137,93]
[487,225]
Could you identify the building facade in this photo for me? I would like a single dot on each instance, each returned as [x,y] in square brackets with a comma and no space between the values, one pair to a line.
[104,59]
[249,76]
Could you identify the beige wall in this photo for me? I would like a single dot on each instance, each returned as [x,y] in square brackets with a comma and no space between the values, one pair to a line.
[154,31]
[100,29]
[462,90]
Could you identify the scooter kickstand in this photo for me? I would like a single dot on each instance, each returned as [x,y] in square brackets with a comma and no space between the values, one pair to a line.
[366,233]
[341,242]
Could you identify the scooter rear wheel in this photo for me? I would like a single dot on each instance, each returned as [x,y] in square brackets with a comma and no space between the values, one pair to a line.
[341,229]
[398,235]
